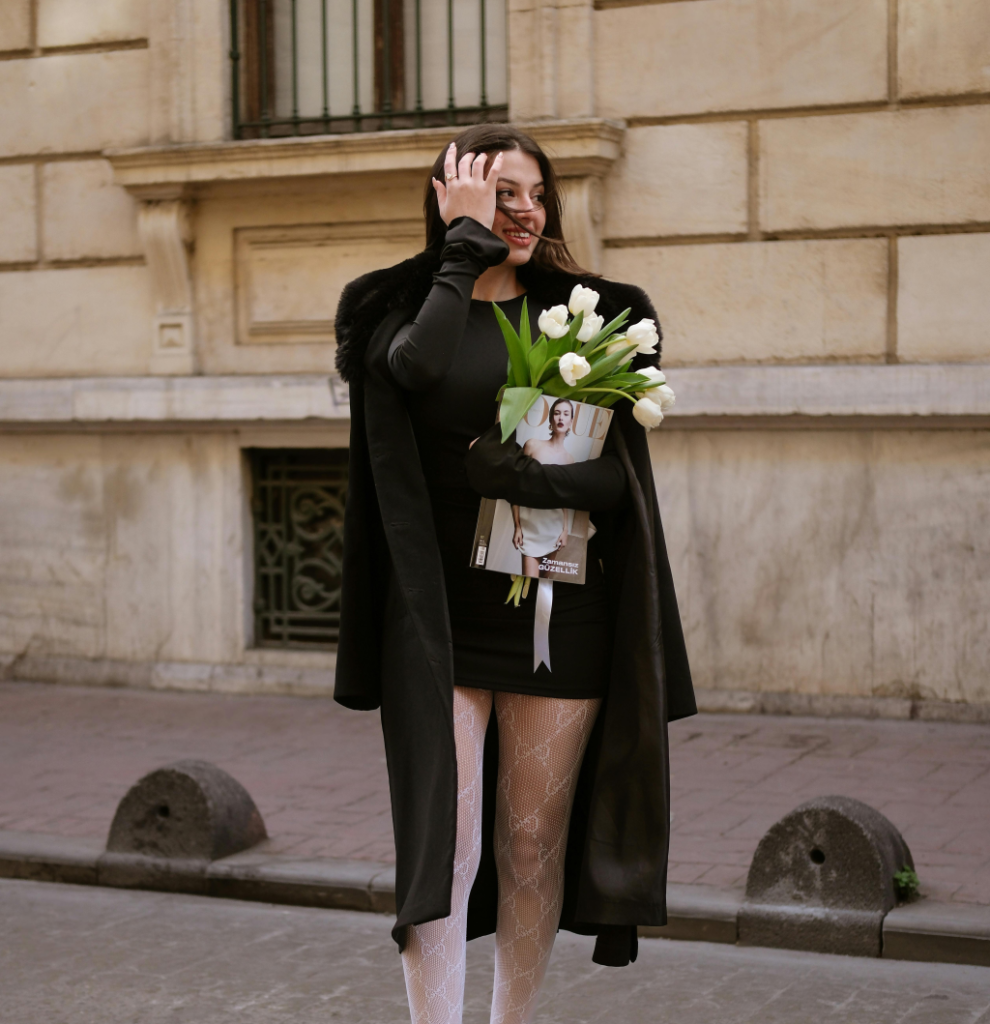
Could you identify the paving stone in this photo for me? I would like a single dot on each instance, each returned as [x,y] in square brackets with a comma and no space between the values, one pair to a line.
[167,959]
[317,774]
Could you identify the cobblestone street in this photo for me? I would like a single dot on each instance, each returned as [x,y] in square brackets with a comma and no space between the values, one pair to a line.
[79,955]
[317,772]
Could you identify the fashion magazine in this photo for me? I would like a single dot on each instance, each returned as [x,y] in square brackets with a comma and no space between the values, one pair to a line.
[549,544]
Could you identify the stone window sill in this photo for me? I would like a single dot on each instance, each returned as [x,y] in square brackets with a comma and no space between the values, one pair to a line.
[579,147]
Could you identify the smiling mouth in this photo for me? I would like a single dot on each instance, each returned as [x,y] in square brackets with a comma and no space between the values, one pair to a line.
[519,237]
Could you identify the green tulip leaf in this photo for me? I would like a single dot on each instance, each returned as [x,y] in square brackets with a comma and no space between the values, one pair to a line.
[537,360]
[516,402]
[525,335]
[518,355]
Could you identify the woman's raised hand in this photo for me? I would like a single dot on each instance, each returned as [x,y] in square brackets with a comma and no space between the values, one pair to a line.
[466,192]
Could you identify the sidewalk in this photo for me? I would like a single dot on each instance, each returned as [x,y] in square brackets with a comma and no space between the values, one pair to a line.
[317,773]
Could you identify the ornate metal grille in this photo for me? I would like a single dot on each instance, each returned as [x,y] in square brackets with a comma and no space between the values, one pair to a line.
[298,497]
[305,67]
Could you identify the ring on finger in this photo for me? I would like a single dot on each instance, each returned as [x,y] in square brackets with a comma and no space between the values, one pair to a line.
[450,177]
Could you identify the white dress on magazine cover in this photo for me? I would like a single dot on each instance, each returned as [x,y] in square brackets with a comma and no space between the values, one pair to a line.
[541,529]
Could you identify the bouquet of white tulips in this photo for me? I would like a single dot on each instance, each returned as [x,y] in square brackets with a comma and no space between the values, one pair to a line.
[579,356]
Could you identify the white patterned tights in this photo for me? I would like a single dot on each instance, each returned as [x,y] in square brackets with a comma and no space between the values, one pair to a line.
[541,744]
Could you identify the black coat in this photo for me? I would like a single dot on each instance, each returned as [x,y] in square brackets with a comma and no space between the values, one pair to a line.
[395,645]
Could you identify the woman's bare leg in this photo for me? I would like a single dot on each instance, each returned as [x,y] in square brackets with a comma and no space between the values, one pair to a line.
[541,745]
[434,958]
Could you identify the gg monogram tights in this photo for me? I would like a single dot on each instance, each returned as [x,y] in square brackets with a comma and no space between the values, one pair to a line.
[541,744]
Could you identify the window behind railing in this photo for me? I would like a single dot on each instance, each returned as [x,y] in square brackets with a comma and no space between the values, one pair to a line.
[303,67]
[297,507]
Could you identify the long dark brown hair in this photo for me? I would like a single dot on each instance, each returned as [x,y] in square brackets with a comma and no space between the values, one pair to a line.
[551,250]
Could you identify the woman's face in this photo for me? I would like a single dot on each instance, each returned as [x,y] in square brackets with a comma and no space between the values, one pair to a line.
[520,189]
[562,418]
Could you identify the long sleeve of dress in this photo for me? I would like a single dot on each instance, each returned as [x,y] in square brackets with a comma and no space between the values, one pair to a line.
[422,352]
[497,470]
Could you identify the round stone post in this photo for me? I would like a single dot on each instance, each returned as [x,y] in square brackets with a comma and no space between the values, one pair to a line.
[822,879]
[173,822]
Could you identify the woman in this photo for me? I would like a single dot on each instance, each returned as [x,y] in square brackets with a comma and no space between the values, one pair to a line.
[554,809]
[539,532]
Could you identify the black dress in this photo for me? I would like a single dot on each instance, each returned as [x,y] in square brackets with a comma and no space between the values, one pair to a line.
[451,361]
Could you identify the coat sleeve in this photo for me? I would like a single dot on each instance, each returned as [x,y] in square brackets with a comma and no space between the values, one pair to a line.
[422,352]
[502,470]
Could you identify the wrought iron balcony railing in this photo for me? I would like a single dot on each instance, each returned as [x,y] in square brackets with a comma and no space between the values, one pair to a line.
[297,506]
[305,67]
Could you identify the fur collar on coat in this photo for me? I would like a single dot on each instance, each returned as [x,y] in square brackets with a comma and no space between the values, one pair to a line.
[366,301]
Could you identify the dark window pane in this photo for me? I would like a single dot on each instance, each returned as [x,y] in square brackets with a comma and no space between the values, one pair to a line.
[297,505]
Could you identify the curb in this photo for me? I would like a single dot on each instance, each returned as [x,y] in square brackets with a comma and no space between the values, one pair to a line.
[956,933]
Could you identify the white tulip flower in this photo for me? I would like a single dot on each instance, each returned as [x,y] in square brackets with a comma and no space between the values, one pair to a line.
[619,344]
[582,300]
[664,396]
[553,322]
[573,367]
[590,326]
[645,335]
[647,413]
[654,374]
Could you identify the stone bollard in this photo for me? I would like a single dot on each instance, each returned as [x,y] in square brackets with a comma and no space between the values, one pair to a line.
[173,822]
[822,879]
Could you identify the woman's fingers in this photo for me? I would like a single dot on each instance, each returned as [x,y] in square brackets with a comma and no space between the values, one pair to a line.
[441,191]
[464,167]
[469,193]
[450,162]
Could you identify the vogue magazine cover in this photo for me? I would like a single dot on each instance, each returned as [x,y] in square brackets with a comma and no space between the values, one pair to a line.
[550,544]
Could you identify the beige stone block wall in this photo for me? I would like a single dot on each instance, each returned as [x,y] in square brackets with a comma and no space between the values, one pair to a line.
[686,179]
[823,561]
[943,47]
[85,214]
[18,231]
[189,48]
[15,24]
[804,301]
[687,58]
[53,544]
[92,321]
[229,294]
[74,102]
[71,23]
[928,166]
[175,573]
[943,303]
[122,547]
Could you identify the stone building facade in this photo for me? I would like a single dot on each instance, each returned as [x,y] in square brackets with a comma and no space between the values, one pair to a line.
[802,187]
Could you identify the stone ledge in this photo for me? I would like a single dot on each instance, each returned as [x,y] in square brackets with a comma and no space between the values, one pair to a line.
[298,673]
[919,392]
[946,933]
[170,400]
[923,396]
[929,931]
[699,913]
[264,671]
[827,705]
[42,858]
[578,147]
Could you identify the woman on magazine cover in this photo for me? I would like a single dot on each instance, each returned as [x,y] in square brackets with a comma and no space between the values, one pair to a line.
[522,801]
[541,531]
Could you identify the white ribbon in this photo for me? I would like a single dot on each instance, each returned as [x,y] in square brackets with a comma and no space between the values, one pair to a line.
[541,625]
